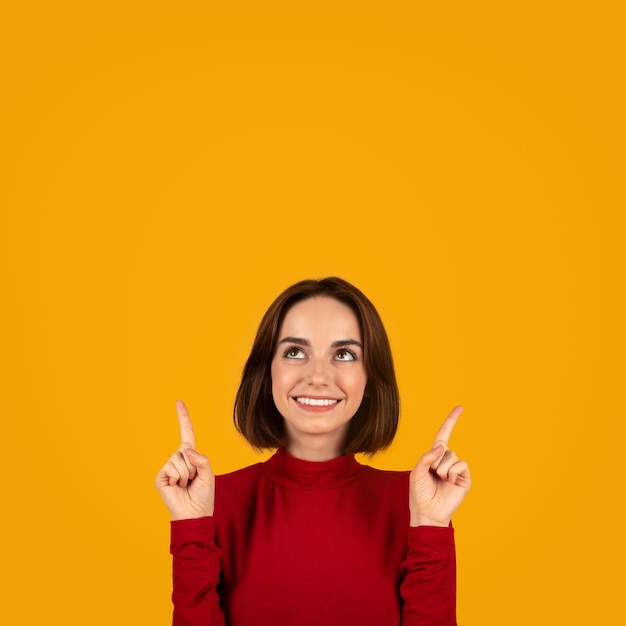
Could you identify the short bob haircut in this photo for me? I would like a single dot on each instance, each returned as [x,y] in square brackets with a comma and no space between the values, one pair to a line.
[374,425]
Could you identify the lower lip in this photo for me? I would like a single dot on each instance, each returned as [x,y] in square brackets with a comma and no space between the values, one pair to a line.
[315,408]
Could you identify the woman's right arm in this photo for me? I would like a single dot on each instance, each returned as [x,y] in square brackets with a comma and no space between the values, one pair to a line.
[196,568]
[187,485]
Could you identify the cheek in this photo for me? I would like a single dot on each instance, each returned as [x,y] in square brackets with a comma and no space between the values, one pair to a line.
[357,381]
[363,380]
[274,376]
[280,378]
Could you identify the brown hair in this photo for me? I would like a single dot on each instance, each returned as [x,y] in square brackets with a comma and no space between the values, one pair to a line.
[374,425]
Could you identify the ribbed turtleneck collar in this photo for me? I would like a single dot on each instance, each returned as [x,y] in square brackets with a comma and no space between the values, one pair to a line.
[288,471]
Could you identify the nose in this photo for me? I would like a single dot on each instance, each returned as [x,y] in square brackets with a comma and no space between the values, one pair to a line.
[318,373]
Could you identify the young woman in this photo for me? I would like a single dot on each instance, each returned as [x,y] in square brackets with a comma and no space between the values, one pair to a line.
[311,537]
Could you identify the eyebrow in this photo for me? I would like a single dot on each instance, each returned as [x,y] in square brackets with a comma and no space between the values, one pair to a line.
[335,344]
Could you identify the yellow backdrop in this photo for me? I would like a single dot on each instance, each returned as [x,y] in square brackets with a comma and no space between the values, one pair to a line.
[167,171]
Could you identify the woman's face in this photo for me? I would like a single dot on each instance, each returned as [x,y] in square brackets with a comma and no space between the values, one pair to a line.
[318,374]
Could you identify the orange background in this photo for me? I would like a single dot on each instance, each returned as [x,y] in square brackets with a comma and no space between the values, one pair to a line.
[167,171]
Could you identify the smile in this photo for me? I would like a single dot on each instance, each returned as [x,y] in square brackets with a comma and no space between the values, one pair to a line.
[316,401]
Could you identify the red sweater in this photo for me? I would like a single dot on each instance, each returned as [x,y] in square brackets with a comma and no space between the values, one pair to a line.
[301,543]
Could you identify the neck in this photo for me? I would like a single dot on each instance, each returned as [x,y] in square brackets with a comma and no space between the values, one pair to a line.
[314,448]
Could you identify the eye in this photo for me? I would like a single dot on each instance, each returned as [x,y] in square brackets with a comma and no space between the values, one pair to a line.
[293,352]
[345,355]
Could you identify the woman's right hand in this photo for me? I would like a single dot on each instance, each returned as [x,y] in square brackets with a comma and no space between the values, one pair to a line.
[186,482]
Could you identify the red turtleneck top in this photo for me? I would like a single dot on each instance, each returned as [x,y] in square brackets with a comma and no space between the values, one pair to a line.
[304,543]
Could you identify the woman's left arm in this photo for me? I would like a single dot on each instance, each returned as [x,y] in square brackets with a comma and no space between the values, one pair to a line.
[438,484]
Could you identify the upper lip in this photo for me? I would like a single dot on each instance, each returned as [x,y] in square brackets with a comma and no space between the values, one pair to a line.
[306,395]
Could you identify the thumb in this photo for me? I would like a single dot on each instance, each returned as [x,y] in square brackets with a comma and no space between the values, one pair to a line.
[201,463]
[428,459]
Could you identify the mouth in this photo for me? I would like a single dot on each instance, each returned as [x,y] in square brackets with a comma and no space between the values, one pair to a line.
[321,402]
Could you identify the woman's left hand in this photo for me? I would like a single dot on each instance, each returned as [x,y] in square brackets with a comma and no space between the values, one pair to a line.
[439,481]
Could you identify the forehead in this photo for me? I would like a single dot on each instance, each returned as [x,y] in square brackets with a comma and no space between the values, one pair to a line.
[321,317]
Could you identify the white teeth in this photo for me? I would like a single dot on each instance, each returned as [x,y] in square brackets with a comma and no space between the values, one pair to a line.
[316,401]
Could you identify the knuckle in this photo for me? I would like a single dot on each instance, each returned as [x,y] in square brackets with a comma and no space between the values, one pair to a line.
[171,470]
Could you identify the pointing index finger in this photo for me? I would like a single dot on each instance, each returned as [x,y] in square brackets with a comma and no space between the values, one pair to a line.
[186,428]
[443,434]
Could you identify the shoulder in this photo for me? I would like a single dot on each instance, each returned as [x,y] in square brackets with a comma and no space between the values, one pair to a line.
[386,495]
[236,489]
[241,476]
[386,481]
[385,476]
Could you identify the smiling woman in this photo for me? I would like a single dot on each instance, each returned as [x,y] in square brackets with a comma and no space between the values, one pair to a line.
[373,426]
[317,382]
[311,536]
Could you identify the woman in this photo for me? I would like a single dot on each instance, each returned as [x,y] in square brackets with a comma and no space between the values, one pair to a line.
[311,536]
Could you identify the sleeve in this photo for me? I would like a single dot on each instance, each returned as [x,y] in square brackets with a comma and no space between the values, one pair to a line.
[196,570]
[428,586]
